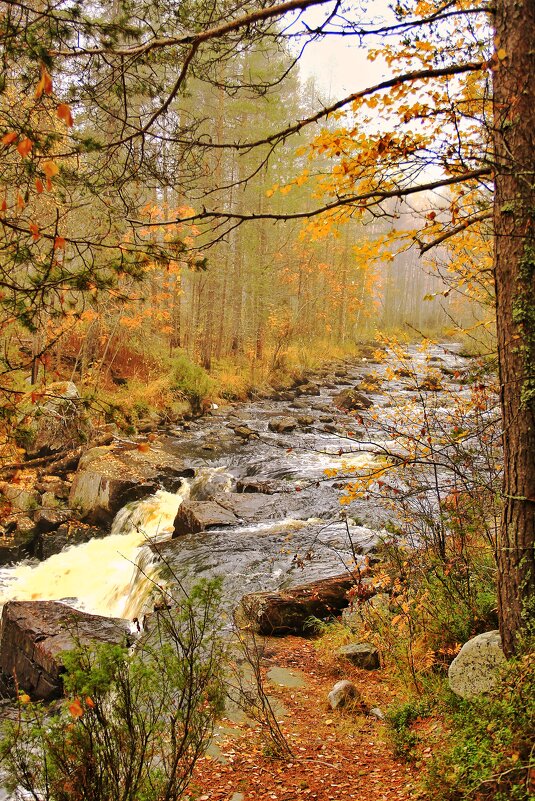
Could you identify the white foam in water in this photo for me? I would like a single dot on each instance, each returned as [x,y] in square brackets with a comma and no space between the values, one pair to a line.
[98,573]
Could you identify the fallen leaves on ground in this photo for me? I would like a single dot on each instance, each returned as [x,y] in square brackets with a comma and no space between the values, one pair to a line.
[337,755]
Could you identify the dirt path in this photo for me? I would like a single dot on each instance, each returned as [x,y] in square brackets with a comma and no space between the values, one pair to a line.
[337,756]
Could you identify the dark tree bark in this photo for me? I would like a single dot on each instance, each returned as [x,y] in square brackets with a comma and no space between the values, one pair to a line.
[514,221]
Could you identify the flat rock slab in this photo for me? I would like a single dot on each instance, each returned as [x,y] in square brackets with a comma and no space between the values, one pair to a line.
[34,634]
[225,509]
[289,611]
[110,477]
[286,678]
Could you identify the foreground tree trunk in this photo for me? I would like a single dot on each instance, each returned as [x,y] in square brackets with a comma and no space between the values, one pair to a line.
[514,222]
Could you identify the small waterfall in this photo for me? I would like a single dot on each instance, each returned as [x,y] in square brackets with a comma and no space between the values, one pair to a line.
[97,576]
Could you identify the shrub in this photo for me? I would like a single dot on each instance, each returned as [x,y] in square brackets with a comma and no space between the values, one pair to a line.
[489,753]
[132,725]
[190,379]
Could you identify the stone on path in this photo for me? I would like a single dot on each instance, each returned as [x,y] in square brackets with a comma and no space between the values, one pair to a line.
[343,693]
[362,654]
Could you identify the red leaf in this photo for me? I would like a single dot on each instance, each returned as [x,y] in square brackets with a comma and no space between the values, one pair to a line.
[45,83]
[39,186]
[59,243]
[24,146]
[34,230]
[65,114]
[76,708]
[8,138]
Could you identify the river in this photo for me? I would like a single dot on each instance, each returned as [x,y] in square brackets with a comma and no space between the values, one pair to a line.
[305,534]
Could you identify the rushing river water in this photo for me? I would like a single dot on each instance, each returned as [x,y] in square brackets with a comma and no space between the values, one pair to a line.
[306,534]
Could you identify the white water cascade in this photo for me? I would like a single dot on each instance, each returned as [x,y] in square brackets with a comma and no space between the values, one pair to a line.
[98,575]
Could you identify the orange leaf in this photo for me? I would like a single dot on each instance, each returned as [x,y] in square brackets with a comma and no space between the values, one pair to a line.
[48,184]
[64,113]
[144,447]
[3,207]
[39,186]
[34,230]
[24,146]
[89,702]
[50,168]
[8,138]
[20,201]
[45,83]
[59,243]
[76,708]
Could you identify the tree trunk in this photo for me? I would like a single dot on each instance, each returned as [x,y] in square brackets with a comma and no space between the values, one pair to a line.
[514,261]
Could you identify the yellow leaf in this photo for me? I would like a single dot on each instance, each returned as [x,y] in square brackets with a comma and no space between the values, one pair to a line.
[24,698]
[24,146]
[50,169]
[65,114]
[501,54]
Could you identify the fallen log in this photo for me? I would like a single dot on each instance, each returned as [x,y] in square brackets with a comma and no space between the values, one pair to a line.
[55,462]
[289,611]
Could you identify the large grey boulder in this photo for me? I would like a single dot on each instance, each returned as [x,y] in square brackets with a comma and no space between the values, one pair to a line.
[109,477]
[476,667]
[35,634]
[57,420]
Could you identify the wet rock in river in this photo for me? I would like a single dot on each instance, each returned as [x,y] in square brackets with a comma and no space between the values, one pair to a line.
[350,400]
[225,509]
[50,519]
[282,425]
[110,477]
[245,432]
[307,389]
[256,485]
[195,516]
[48,543]
[17,538]
[35,634]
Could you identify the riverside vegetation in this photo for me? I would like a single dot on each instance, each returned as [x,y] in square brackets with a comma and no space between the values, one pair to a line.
[434,578]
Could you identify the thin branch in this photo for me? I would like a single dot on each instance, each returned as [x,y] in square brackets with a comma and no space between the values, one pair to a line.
[484,215]
[376,195]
